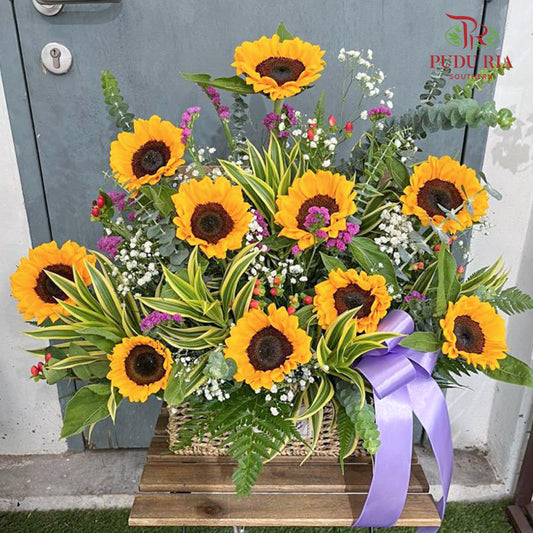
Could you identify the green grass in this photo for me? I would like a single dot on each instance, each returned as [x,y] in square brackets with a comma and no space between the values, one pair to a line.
[460,518]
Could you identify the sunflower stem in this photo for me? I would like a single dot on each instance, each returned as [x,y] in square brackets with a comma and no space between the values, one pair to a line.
[278,106]
[229,138]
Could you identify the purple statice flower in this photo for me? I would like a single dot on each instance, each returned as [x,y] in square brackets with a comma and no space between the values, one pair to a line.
[118,198]
[415,295]
[291,115]
[316,218]
[295,250]
[260,219]
[377,113]
[271,121]
[344,237]
[214,96]
[156,317]
[223,112]
[321,234]
[109,244]
[132,215]
[187,121]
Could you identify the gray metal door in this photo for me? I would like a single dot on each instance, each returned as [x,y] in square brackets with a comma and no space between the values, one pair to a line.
[146,43]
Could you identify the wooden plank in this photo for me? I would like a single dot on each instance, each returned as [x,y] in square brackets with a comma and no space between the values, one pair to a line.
[285,478]
[162,423]
[529,511]
[518,519]
[294,510]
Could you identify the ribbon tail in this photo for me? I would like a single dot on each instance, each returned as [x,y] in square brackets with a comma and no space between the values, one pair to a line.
[429,405]
[392,467]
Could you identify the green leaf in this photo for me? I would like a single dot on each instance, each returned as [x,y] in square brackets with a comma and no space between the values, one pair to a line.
[348,439]
[512,301]
[372,260]
[86,407]
[422,341]
[512,370]
[218,367]
[242,300]
[448,286]
[283,32]
[321,397]
[319,112]
[399,172]
[182,384]
[332,263]
[234,84]
[116,106]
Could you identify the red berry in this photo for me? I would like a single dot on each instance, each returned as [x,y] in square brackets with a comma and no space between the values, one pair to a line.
[47,357]
[460,269]
[437,247]
[274,291]
[100,202]
[291,310]
[257,290]
[34,371]
[349,127]
[277,281]
[310,134]
[95,212]
[450,240]
[257,283]
[254,304]
[40,366]
[308,300]
[332,121]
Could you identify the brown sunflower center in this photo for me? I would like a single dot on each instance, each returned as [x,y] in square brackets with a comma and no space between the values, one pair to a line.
[320,200]
[353,296]
[280,69]
[149,158]
[46,289]
[470,337]
[144,365]
[211,222]
[268,349]
[436,194]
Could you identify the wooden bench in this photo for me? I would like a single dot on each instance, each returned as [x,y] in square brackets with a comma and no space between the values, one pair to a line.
[197,491]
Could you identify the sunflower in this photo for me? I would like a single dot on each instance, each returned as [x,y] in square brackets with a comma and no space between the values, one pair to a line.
[36,293]
[212,215]
[279,68]
[153,150]
[266,347]
[347,290]
[474,331]
[140,366]
[444,183]
[333,194]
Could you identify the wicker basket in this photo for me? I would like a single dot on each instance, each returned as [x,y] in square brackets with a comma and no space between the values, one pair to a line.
[327,446]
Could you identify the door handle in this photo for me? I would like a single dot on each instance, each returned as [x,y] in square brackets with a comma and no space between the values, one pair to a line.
[65,2]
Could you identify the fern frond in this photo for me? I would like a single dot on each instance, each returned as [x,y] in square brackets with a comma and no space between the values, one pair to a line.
[512,301]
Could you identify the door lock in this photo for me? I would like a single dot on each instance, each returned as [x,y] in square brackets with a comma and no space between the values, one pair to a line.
[56,58]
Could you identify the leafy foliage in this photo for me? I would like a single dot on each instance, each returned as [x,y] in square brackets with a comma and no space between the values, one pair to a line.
[361,414]
[251,432]
[433,86]
[348,439]
[234,84]
[512,370]
[512,300]
[117,108]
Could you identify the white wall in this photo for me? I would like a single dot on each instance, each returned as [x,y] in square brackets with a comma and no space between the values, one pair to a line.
[30,418]
[495,416]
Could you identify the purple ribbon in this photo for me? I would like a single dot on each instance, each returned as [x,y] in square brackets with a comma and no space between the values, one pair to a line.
[402,383]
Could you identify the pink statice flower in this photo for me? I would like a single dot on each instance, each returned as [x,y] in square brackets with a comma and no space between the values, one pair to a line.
[415,295]
[156,317]
[377,113]
[187,120]
[214,96]
[118,198]
[344,237]
[109,245]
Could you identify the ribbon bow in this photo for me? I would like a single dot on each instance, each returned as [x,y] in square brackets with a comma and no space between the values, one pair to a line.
[402,383]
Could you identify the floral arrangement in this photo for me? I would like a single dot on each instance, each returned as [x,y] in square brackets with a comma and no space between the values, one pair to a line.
[264,286]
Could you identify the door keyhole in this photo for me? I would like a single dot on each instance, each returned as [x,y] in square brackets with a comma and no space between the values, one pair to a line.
[56,54]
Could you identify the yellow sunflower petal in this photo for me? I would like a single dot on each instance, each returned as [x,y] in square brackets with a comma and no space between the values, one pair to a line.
[279,69]
[37,295]
[139,366]
[154,149]
[212,215]
[345,290]
[474,331]
[267,346]
[443,182]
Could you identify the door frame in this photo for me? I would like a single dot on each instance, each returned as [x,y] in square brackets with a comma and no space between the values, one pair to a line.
[21,119]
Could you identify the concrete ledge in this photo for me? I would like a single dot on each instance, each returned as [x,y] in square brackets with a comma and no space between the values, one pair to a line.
[108,479]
